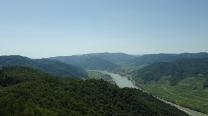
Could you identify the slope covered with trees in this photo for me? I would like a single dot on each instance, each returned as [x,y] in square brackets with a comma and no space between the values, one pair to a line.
[154,58]
[116,58]
[28,92]
[122,63]
[183,81]
[49,66]
[174,71]
[87,61]
[98,75]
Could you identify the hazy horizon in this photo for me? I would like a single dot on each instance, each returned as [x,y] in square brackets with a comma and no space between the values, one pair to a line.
[96,53]
[42,28]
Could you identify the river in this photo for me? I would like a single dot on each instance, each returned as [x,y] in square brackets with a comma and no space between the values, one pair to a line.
[122,82]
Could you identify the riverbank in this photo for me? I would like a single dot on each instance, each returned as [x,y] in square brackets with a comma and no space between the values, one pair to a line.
[122,81]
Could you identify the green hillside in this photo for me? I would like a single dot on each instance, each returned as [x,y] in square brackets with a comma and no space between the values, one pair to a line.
[183,81]
[155,58]
[49,66]
[88,61]
[98,75]
[122,63]
[29,92]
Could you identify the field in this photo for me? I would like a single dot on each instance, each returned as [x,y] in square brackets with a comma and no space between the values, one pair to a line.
[188,93]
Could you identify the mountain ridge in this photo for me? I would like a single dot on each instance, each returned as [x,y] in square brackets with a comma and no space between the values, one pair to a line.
[53,67]
[183,81]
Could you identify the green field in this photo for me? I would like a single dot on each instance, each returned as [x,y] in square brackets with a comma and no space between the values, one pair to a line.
[188,93]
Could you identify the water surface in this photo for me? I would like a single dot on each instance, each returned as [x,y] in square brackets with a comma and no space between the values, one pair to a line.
[120,80]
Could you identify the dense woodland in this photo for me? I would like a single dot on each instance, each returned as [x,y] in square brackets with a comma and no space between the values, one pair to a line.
[116,61]
[46,65]
[97,61]
[179,78]
[184,81]
[29,92]
[98,75]
[174,71]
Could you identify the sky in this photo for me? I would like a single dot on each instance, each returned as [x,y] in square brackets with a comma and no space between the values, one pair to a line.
[45,28]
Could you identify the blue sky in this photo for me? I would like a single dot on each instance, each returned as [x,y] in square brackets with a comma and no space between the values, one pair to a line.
[43,28]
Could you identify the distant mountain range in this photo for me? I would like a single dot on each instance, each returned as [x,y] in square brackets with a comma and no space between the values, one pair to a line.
[174,71]
[110,61]
[179,78]
[152,58]
[70,65]
[49,66]
[101,61]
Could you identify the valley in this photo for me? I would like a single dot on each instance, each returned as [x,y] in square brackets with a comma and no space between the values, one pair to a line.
[119,80]
[125,82]
[30,92]
[178,81]
[103,57]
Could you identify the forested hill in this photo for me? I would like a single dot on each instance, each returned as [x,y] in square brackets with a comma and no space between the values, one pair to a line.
[53,67]
[28,92]
[88,61]
[116,58]
[184,81]
[174,71]
[154,58]
[114,61]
